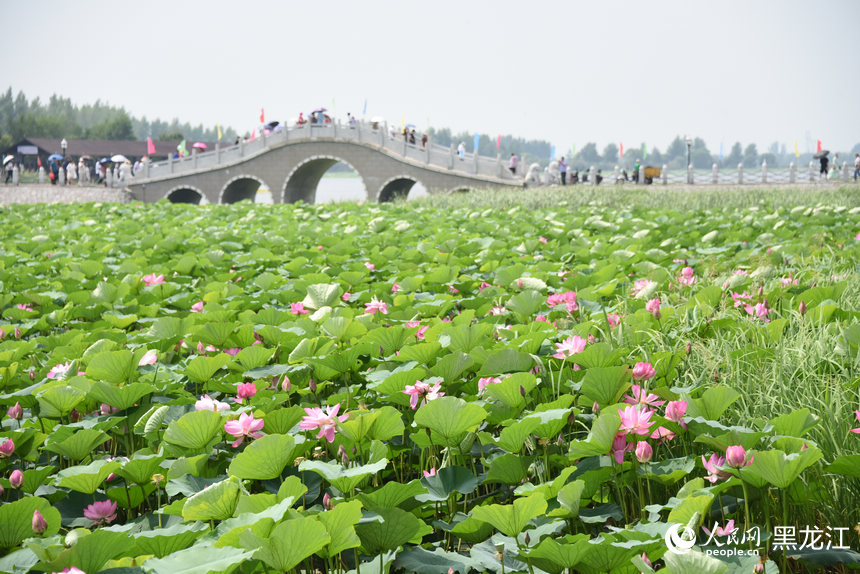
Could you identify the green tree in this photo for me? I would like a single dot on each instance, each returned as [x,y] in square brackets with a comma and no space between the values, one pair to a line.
[588,155]
[735,156]
[610,154]
[751,156]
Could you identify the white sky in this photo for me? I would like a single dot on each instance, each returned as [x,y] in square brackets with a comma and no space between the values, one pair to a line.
[570,72]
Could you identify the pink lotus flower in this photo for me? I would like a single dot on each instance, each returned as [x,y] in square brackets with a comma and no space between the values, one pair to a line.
[722,530]
[485,382]
[644,452]
[643,372]
[640,397]
[59,370]
[568,298]
[740,298]
[375,306]
[370,266]
[107,410]
[857,430]
[39,523]
[207,403]
[428,473]
[422,392]
[636,420]
[298,309]
[346,296]
[542,239]
[70,570]
[25,307]
[245,391]
[484,285]
[419,334]
[736,457]
[395,288]
[149,358]
[197,307]
[789,281]
[7,448]
[101,512]
[619,447]
[232,351]
[498,310]
[152,279]
[15,412]
[614,320]
[653,307]
[712,466]
[662,434]
[247,425]
[16,479]
[687,276]
[453,290]
[570,346]
[675,412]
[326,421]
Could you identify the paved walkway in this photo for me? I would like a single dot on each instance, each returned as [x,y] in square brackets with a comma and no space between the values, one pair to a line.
[35,193]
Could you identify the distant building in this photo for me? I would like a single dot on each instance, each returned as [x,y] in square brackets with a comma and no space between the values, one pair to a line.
[28,149]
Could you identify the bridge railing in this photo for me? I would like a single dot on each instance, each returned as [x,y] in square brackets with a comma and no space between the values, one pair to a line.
[364,132]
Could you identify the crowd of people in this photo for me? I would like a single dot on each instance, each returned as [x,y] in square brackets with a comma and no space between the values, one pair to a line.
[82,172]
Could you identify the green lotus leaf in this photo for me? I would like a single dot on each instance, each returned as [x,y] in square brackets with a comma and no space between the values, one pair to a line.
[289,543]
[86,478]
[165,541]
[200,560]
[119,397]
[393,529]
[450,417]
[511,519]
[112,367]
[16,520]
[340,524]
[263,459]
[195,431]
[216,502]
[343,479]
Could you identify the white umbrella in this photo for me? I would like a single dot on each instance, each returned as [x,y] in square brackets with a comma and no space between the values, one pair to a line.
[119,158]
[7,159]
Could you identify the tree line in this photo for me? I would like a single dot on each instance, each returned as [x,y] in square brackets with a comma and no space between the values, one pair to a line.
[60,118]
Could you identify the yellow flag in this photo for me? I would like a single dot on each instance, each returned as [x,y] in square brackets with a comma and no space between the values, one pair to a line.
[219,131]
[796,152]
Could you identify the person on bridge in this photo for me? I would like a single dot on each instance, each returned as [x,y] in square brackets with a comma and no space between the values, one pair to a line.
[562,169]
[824,162]
[512,164]
[352,120]
[424,139]
[856,166]
[461,151]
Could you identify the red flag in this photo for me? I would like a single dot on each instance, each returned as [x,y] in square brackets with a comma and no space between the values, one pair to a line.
[39,158]
[499,142]
[253,133]
[622,150]
[262,115]
[150,147]
[819,146]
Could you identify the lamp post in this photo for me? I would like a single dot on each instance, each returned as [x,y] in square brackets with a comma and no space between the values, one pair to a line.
[64,144]
[689,146]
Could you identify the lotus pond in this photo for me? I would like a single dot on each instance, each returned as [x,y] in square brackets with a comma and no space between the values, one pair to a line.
[566,385]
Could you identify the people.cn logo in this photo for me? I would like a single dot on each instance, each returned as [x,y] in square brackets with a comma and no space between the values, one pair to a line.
[680,543]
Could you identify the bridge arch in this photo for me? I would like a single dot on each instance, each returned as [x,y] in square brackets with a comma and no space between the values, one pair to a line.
[184,194]
[397,187]
[240,187]
[302,182]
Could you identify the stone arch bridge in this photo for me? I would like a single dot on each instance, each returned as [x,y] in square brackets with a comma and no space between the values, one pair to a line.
[291,162]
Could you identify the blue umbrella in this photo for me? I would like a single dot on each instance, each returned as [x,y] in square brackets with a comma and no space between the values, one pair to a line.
[54,156]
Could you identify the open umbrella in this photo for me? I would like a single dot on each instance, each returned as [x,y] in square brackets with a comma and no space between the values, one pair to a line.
[119,158]
[200,145]
[410,126]
[822,153]
[86,156]
[54,156]
[104,160]
[272,125]
[320,110]
[7,159]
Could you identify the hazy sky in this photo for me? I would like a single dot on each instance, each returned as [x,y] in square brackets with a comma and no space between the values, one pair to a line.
[568,71]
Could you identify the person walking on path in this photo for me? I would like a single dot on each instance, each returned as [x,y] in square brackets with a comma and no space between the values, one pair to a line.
[824,161]
[856,166]
[71,173]
[11,165]
[512,165]
[562,169]
[461,151]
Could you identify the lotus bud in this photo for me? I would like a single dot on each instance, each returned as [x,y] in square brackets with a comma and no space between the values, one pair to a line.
[644,452]
[7,448]
[327,501]
[200,347]
[32,375]
[2,334]
[427,430]
[15,412]
[16,479]
[804,447]
[646,560]
[760,290]
[527,539]
[758,568]
[74,416]
[312,385]
[571,418]
[2,490]
[689,348]
[595,408]
[519,283]
[40,525]
[736,456]
[341,452]
[802,308]
[286,385]
[522,390]
[716,375]
[18,333]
